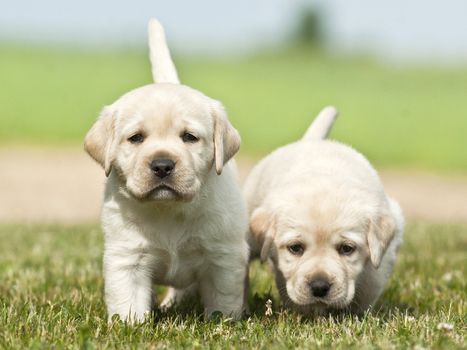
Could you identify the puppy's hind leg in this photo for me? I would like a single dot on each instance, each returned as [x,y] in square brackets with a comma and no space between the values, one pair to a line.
[174,296]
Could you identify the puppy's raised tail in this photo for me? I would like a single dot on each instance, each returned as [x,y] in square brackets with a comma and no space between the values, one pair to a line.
[322,124]
[163,68]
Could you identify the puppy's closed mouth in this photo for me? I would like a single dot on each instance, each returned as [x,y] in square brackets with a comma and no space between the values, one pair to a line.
[163,192]
[333,304]
[315,302]
[160,192]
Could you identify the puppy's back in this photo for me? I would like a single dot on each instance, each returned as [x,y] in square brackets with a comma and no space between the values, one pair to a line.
[303,161]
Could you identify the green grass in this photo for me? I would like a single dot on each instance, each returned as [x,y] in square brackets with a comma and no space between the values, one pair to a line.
[396,116]
[51,295]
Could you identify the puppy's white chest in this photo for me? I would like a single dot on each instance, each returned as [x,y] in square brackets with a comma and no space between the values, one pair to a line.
[177,253]
[181,256]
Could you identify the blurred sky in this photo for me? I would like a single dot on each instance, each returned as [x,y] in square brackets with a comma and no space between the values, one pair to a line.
[420,30]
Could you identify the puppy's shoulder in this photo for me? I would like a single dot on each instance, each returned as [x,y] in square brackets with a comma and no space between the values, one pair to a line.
[224,205]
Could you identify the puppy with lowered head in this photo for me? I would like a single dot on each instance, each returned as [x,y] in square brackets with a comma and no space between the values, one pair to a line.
[173,213]
[319,213]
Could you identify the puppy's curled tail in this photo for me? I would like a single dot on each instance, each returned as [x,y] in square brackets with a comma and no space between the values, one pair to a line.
[163,68]
[322,124]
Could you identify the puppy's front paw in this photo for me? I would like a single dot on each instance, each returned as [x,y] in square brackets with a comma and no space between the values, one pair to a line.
[129,318]
[233,315]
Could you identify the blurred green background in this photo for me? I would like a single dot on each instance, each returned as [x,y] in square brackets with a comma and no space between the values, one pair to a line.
[403,113]
[408,116]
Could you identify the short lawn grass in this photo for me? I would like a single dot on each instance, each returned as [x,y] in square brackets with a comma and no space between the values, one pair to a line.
[51,296]
[395,116]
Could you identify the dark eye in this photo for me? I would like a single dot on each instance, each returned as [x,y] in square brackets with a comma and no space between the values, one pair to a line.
[296,249]
[345,249]
[136,138]
[187,137]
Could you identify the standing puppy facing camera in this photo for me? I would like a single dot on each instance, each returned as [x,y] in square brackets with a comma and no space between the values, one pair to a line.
[319,213]
[173,213]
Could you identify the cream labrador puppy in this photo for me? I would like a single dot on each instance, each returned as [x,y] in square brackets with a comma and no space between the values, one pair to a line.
[173,213]
[319,212]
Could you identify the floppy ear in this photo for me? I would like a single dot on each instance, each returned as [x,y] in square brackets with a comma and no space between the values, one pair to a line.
[100,140]
[226,138]
[262,227]
[380,234]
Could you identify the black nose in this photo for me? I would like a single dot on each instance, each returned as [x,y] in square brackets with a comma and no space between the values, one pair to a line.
[162,167]
[319,288]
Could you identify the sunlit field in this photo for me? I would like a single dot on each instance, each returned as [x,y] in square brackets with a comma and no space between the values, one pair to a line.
[51,296]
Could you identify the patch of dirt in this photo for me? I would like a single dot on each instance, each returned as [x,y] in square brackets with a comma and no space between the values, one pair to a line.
[66,186]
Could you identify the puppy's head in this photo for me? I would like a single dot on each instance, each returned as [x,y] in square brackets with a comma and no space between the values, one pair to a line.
[320,243]
[162,140]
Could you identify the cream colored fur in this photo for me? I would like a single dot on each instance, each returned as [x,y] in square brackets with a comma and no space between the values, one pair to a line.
[322,195]
[186,230]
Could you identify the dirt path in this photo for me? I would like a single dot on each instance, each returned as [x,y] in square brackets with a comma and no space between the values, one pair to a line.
[50,185]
